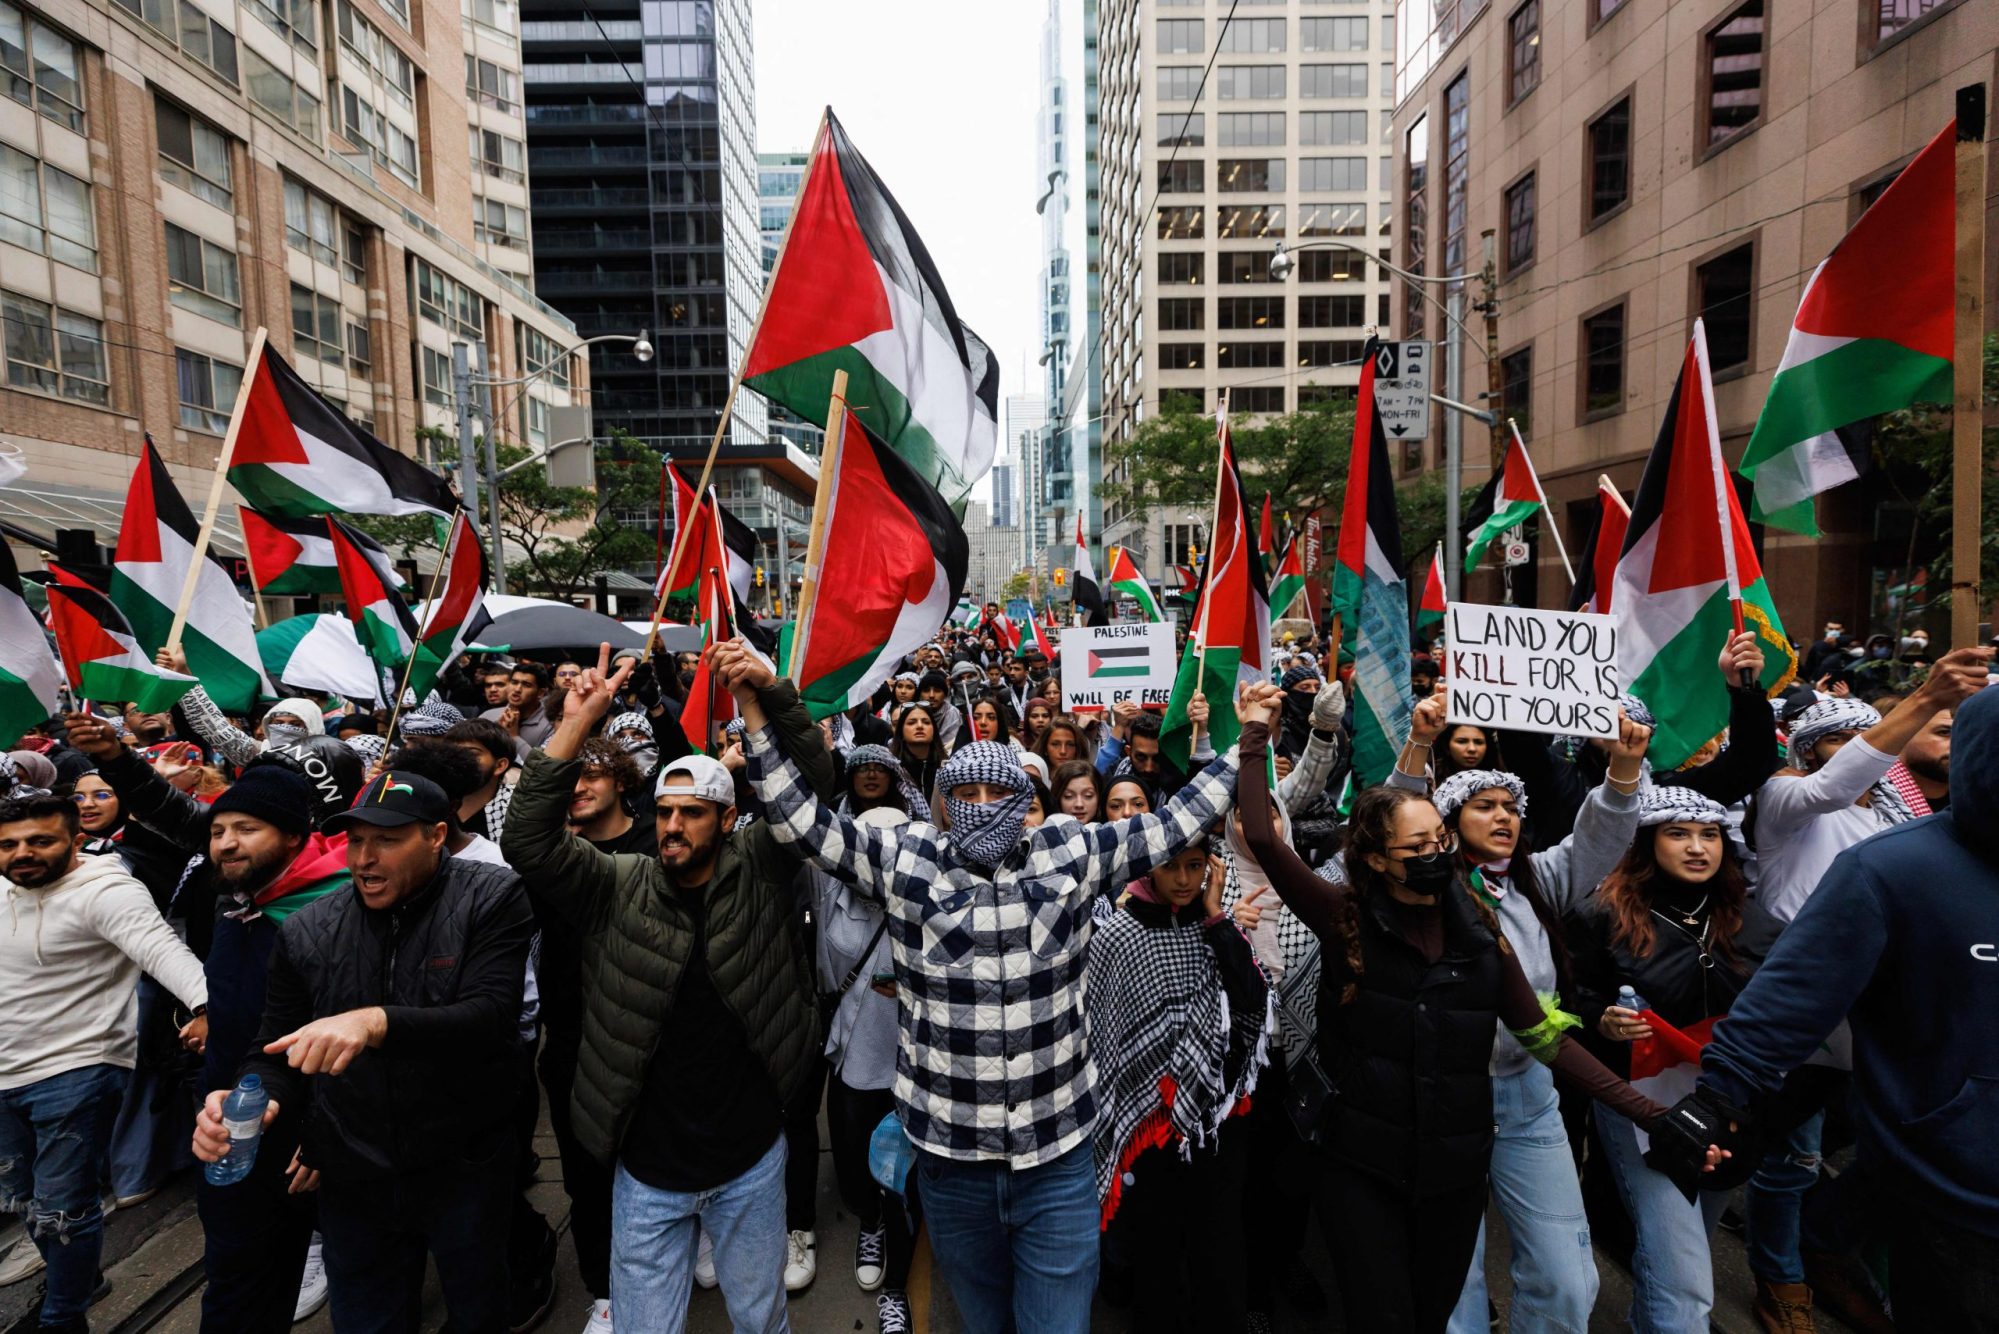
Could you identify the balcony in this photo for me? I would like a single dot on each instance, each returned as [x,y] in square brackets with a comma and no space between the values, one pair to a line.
[567,201]
[586,158]
[594,113]
[558,241]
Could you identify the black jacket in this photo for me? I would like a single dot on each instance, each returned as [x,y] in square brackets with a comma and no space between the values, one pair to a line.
[447,965]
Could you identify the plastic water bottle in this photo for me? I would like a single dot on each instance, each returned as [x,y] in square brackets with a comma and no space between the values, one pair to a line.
[243,1118]
[1631,1000]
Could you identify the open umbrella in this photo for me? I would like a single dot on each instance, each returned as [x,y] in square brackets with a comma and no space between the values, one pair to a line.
[541,625]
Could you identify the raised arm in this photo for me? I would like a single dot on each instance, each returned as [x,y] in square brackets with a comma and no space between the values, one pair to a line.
[209,723]
[1307,779]
[1751,753]
[1115,854]
[143,794]
[1569,872]
[568,874]
[1317,902]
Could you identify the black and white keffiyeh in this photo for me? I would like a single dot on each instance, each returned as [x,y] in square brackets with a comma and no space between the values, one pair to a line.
[914,803]
[369,746]
[1459,788]
[433,717]
[1678,805]
[630,722]
[1820,721]
[984,832]
[1637,710]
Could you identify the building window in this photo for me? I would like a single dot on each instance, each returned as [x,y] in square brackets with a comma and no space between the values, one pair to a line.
[316,323]
[1332,128]
[40,67]
[1331,174]
[1250,175]
[1332,80]
[1238,83]
[1250,37]
[1609,139]
[534,421]
[201,277]
[1603,363]
[1263,398]
[353,252]
[54,351]
[1603,9]
[1249,312]
[436,375]
[207,391]
[1251,129]
[1182,37]
[1457,169]
[199,37]
[1523,50]
[1179,314]
[1331,312]
[1331,266]
[312,224]
[1181,266]
[193,155]
[539,353]
[1182,223]
[1246,220]
[1734,74]
[1182,129]
[1180,356]
[46,210]
[1332,219]
[294,20]
[359,359]
[1243,266]
[1415,219]
[1891,17]
[448,303]
[1183,178]
[492,85]
[1516,389]
[1342,34]
[1520,224]
[1177,83]
[276,93]
[1260,356]
[499,224]
[498,155]
[1724,289]
[1325,353]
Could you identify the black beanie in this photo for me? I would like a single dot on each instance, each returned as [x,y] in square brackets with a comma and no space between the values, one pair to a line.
[271,793]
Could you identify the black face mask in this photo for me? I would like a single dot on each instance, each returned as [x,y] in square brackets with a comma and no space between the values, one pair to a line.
[1429,875]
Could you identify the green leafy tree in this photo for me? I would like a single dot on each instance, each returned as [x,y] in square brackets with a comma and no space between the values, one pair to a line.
[1299,458]
[542,521]
[1016,586]
[1913,449]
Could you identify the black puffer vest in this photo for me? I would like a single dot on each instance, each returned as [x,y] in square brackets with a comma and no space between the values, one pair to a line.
[1410,1056]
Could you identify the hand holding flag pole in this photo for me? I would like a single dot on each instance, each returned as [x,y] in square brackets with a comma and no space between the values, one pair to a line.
[1725,525]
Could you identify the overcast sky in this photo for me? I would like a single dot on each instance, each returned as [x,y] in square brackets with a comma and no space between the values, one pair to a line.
[940,97]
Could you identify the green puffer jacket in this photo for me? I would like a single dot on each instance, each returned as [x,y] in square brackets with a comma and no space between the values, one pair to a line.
[637,932]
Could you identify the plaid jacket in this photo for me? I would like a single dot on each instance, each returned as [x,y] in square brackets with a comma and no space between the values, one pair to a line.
[994,1059]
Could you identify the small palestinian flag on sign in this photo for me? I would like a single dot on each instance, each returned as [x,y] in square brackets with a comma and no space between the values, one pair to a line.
[100,656]
[294,557]
[1119,662]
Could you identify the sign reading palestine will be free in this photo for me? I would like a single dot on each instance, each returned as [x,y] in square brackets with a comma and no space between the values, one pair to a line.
[1104,665]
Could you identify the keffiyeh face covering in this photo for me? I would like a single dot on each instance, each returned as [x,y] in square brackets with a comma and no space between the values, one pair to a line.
[984,832]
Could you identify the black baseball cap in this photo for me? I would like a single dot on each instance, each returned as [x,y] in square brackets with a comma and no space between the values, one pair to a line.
[396,798]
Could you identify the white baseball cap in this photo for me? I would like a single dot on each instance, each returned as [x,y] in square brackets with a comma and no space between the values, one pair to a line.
[710,778]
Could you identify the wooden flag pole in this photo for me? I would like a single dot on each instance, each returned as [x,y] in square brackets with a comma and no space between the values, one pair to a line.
[459,525]
[1554,528]
[256,584]
[251,369]
[1968,373]
[815,539]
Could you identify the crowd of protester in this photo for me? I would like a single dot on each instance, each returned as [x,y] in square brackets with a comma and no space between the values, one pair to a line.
[1102,1029]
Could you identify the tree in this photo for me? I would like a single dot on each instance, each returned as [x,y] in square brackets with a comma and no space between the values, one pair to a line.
[1915,445]
[1016,586]
[1300,459]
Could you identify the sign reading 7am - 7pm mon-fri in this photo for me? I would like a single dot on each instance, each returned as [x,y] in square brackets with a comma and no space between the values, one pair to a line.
[1105,664]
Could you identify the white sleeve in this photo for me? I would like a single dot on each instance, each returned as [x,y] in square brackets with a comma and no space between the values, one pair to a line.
[1788,802]
[124,913]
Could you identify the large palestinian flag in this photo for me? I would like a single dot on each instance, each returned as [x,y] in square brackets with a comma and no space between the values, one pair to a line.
[29,677]
[1229,645]
[1686,553]
[856,290]
[1873,334]
[102,659]
[155,548]
[383,622]
[891,567]
[1088,594]
[1596,572]
[1370,594]
[294,557]
[456,613]
[1128,581]
[297,456]
[1509,499]
[319,652]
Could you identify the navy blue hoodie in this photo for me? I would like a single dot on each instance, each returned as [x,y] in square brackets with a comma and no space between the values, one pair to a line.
[1902,936]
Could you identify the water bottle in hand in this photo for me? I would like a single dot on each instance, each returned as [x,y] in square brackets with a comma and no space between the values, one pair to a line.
[243,1118]
[1631,1000]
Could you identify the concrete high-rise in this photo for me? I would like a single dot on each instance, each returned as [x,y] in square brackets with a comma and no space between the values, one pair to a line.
[1015,504]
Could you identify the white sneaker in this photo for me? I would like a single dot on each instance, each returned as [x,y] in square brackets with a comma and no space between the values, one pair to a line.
[312,1287]
[704,1263]
[870,1252]
[600,1318]
[19,1261]
[801,1260]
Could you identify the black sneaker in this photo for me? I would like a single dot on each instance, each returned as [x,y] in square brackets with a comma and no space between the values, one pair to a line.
[870,1256]
[892,1312]
[533,1290]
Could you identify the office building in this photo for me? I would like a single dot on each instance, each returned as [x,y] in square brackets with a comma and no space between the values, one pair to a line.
[1641,164]
[171,178]
[1061,473]
[1015,505]
[995,554]
[778,177]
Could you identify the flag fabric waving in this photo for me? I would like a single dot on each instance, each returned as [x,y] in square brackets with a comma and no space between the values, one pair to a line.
[1370,594]
[100,656]
[1687,559]
[1873,333]
[855,290]
[1287,579]
[1266,543]
[29,676]
[383,623]
[319,652]
[1508,499]
[1229,644]
[893,563]
[1039,644]
[456,614]
[1598,572]
[155,549]
[733,548]
[294,557]
[297,455]
[1431,608]
[1127,581]
[1089,595]
[1665,1066]
[707,705]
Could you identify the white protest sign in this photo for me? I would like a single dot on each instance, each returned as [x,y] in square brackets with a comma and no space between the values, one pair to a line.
[1104,665]
[1534,671]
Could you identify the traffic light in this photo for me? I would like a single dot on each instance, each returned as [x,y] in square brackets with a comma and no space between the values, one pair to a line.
[1061,576]
[760,576]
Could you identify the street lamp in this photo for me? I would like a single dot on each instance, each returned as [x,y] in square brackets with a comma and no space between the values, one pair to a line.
[471,468]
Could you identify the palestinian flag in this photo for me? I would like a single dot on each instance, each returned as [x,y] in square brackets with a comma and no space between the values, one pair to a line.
[320,652]
[1666,1066]
[298,456]
[456,614]
[708,706]
[1287,581]
[1041,643]
[102,659]
[856,290]
[1229,645]
[733,549]
[1430,611]
[294,557]
[1873,333]
[1508,500]
[155,548]
[1687,564]
[1127,581]
[965,614]
[1597,570]
[29,677]
[1266,546]
[892,563]
[1370,594]
[1119,662]
[1088,594]
[383,622]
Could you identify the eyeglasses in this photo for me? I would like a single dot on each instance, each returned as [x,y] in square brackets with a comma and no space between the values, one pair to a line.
[93,796]
[1429,847]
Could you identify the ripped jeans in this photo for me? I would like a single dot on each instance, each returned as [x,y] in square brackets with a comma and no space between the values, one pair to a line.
[1775,1202]
[53,1135]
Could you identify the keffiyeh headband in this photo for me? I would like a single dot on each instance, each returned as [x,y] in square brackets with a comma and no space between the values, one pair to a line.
[1456,790]
[1678,805]
[433,717]
[880,756]
[1821,720]
[368,746]
[630,722]
[1637,710]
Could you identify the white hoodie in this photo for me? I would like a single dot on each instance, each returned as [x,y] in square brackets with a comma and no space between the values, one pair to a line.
[70,957]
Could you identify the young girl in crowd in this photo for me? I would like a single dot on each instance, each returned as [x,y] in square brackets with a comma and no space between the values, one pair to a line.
[1126,795]
[1464,746]
[916,746]
[989,723]
[1061,741]
[1034,721]
[1078,791]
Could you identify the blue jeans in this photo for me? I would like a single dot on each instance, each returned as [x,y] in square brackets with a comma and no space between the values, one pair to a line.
[653,1237]
[1672,1272]
[1534,1183]
[155,1122]
[1019,1248]
[53,1135]
[1775,1204]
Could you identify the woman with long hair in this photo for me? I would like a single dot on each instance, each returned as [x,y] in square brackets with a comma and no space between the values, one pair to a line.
[1050,690]
[1062,741]
[1462,746]
[1674,921]
[1033,722]
[1078,791]
[916,745]
[988,723]
[1416,973]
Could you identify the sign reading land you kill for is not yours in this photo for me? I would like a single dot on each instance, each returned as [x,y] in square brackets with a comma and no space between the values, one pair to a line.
[1104,665]
[1532,671]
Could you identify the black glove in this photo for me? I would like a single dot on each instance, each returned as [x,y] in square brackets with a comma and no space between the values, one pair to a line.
[1681,1137]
